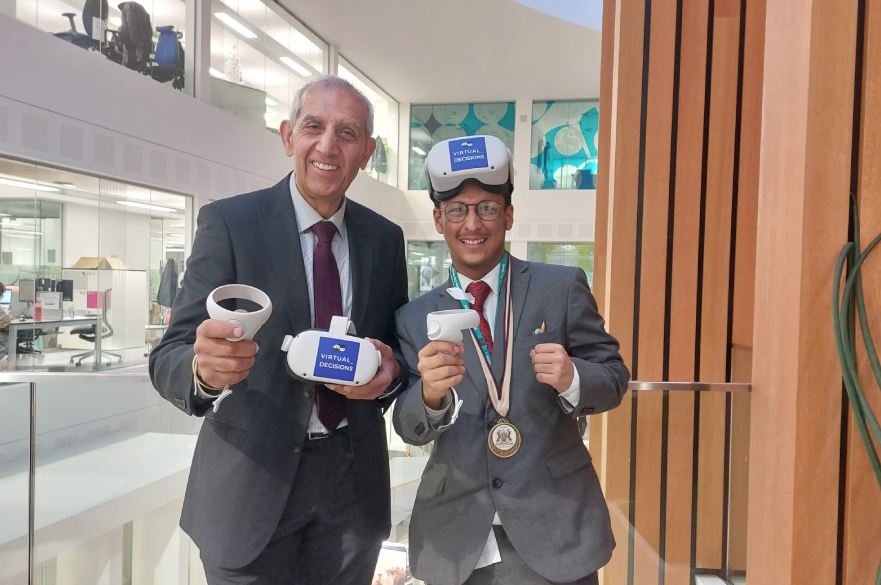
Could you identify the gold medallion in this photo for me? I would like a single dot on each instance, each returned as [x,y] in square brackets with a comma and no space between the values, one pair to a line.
[503,439]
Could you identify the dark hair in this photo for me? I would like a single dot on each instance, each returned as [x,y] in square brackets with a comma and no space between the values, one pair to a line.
[507,194]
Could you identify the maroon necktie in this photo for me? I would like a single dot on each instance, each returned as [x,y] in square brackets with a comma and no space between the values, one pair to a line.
[480,290]
[328,302]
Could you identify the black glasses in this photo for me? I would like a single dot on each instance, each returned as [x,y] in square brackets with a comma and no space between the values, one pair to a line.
[457,211]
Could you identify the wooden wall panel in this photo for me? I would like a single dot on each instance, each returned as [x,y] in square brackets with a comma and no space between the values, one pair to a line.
[802,223]
[601,220]
[715,268]
[624,129]
[744,274]
[683,290]
[652,290]
[862,534]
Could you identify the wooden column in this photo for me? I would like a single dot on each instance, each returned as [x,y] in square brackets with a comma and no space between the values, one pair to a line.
[862,513]
[804,179]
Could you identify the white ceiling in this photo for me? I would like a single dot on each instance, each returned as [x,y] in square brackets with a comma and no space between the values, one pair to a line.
[428,51]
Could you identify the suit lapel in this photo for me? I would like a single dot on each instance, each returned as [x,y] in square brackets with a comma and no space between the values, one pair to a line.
[279,223]
[519,290]
[473,369]
[360,261]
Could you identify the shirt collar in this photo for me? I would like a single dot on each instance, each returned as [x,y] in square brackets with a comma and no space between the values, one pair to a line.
[307,216]
[491,278]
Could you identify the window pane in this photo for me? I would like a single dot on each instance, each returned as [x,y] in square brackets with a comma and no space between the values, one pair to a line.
[260,57]
[564,144]
[430,124]
[567,254]
[383,164]
[428,265]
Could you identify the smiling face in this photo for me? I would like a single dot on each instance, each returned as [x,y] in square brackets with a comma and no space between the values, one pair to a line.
[476,245]
[329,143]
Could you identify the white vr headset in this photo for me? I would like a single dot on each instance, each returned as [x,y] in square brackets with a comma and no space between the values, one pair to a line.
[249,321]
[448,325]
[334,356]
[484,159]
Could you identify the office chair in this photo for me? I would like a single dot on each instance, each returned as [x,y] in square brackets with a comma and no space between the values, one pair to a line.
[91,9]
[134,41]
[167,63]
[90,334]
[25,341]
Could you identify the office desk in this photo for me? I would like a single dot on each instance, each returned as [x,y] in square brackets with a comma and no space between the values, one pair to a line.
[17,324]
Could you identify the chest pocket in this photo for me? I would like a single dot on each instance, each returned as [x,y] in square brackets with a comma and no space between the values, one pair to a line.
[530,340]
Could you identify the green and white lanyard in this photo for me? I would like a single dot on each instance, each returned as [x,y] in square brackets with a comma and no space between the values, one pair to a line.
[454,277]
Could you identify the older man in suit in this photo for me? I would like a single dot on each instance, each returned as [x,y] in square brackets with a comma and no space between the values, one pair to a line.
[290,481]
[509,495]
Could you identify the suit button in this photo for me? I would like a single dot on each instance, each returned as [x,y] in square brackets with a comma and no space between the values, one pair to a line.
[498,483]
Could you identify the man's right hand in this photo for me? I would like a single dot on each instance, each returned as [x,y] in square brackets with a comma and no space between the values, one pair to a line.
[441,368]
[222,362]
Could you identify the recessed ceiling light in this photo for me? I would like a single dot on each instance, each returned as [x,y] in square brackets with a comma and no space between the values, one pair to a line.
[28,185]
[235,25]
[215,73]
[295,66]
[146,206]
[271,102]
[418,150]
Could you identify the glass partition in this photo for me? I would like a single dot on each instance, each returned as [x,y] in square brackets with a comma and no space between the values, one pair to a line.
[565,253]
[564,144]
[383,164]
[428,265]
[260,57]
[88,265]
[430,124]
[149,36]
[14,486]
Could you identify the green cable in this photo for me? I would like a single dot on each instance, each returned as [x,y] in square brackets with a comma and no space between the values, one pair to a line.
[843,322]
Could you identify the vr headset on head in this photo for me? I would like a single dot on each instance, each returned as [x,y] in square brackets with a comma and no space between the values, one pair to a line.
[482,159]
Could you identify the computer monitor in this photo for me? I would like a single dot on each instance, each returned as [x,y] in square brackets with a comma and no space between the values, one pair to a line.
[45,284]
[6,297]
[27,291]
[65,287]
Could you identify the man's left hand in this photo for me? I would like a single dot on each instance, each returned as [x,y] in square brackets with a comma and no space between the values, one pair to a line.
[387,373]
[552,366]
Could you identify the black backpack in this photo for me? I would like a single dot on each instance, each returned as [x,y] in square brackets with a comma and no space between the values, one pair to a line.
[135,39]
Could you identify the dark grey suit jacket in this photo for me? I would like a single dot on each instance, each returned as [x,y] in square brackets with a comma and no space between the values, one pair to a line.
[547,495]
[247,454]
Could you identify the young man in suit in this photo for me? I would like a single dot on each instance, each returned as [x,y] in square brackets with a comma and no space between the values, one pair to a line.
[509,495]
[290,481]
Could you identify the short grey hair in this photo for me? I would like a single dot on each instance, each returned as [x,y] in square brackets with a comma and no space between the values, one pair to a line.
[331,81]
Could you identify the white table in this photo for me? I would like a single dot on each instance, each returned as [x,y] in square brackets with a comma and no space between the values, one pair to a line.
[21,324]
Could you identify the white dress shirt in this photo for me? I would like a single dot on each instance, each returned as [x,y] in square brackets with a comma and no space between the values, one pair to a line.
[568,399]
[306,218]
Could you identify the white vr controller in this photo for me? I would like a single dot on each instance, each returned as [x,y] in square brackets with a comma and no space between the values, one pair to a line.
[249,321]
[334,356]
[448,325]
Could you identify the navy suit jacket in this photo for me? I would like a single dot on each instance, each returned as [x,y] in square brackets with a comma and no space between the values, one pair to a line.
[247,454]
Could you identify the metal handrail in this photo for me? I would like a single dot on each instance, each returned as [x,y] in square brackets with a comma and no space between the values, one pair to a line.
[652,386]
[138,373]
[133,373]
